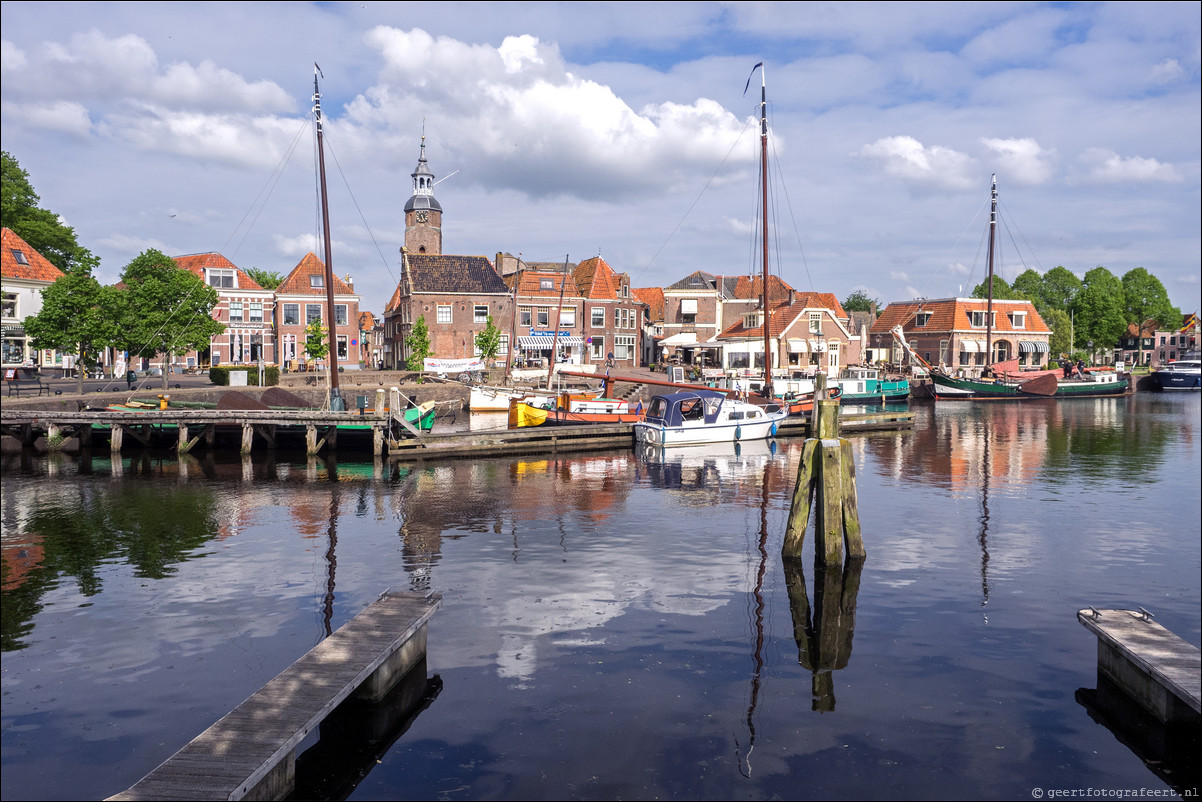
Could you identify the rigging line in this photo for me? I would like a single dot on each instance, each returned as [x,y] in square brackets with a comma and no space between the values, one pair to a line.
[1005,218]
[268,187]
[793,218]
[355,201]
[696,200]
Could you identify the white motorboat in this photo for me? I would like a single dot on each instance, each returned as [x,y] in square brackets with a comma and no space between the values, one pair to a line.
[696,417]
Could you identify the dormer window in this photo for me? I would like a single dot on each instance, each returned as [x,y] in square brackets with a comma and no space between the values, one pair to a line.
[1018,320]
[753,320]
[19,255]
[317,281]
[978,319]
[546,284]
[922,318]
[221,278]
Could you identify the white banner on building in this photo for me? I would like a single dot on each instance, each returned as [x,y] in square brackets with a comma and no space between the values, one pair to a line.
[453,365]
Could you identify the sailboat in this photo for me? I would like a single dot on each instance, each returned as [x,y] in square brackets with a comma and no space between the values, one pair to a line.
[1006,381]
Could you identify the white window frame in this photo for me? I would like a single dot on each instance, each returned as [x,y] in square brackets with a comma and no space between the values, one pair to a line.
[597,316]
[310,318]
[567,317]
[445,315]
[480,313]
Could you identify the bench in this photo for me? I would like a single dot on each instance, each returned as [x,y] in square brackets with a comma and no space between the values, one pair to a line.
[27,384]
[251,752]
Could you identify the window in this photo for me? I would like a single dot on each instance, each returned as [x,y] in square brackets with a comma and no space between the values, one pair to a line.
[342,352]
[624,347]
[546,283]
[312,313]
[978,319]
[340,314]
[598,317]
[738,360]
[922,318]
[598,348]
[291,314]
[544,317]
[317,281]
[1018,320]
[480,313]
[815,322]
[524,317]
[221,278]
[567,317]
[10,306]
[256,312]
[444,313]
[235,311]
[503,348]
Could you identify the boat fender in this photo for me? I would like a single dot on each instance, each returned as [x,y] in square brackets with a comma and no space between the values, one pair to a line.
[835,392]
[738,432]
[772,430]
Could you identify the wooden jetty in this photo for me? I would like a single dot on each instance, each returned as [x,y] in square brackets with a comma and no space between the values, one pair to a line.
[251,752]
[1156,668]
[389,435]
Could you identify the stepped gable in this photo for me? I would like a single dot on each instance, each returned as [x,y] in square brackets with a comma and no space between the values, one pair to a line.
[439,273]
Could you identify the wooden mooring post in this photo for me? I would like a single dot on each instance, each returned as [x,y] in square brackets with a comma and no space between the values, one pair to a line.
[827,471]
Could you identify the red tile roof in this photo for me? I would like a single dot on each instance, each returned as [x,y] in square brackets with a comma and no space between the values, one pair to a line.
[654,298]
[39,268]
[297,282]
[953,314]
[197,262]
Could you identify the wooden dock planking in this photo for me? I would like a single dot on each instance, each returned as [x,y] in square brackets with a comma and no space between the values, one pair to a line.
[250,752]
[1158,669]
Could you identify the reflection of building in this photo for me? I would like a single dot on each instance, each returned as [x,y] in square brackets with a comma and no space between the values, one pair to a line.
[25,273]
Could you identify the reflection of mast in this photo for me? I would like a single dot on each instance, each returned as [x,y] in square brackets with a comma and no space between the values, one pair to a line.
[327,606]
[983,536]
[758,628]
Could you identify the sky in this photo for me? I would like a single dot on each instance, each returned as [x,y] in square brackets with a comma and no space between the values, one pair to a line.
[570,130]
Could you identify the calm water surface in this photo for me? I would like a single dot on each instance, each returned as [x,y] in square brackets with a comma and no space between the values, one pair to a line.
[621,625]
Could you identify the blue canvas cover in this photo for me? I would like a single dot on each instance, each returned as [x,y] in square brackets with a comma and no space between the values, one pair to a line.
[672,409]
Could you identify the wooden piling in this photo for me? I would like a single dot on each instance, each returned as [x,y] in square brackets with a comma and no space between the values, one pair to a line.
[827,469]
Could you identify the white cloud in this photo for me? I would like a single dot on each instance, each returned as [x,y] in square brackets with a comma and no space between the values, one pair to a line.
[907,158]
[62,116]
[1107,167]
[1022,161]
[12,59]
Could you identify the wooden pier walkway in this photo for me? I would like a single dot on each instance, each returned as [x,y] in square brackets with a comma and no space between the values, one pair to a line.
[251,752]
[321,428]
[1156,668]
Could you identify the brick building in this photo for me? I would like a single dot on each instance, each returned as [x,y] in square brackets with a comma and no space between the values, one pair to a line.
[301,299]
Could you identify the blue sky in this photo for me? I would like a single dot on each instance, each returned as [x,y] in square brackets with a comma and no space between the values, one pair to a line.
[571,129]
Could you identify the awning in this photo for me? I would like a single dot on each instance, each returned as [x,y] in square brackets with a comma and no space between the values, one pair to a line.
[546,343]
[817,346]
[1041,346]
[972,346]
[684,338]
[1026,347]
[798,347]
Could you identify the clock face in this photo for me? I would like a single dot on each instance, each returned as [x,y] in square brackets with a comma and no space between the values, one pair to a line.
[423,217]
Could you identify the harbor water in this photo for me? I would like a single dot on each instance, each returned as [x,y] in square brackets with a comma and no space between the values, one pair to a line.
[618,624]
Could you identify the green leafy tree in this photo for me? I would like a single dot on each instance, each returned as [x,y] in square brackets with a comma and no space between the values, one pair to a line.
[1001,290]
[1061,341]
[417,342]
[267,279]
[79,317]
[1060,288]
[316,347]
[1029,285]
[859,301]
[168,311]
[1099,311]
[41,228]
[1145,298]
[488,342]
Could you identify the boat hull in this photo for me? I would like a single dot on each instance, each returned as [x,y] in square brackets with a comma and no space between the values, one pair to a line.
[1173,380]
[949,388]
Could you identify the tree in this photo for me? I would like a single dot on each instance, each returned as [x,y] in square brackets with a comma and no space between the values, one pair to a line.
[79,317]
[1001,290]
[267,279]
[1061,341]
[417,342]
[488,342]
[1144,299]
[1060,288]
[168,311]
[859,301]
[1100,317]
[41,228]
[316,347]
[1029,285]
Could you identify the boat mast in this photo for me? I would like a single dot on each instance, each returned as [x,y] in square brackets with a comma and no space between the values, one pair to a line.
[513,323]
[992,241]
[563,283]
[764,205]
[331,323]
